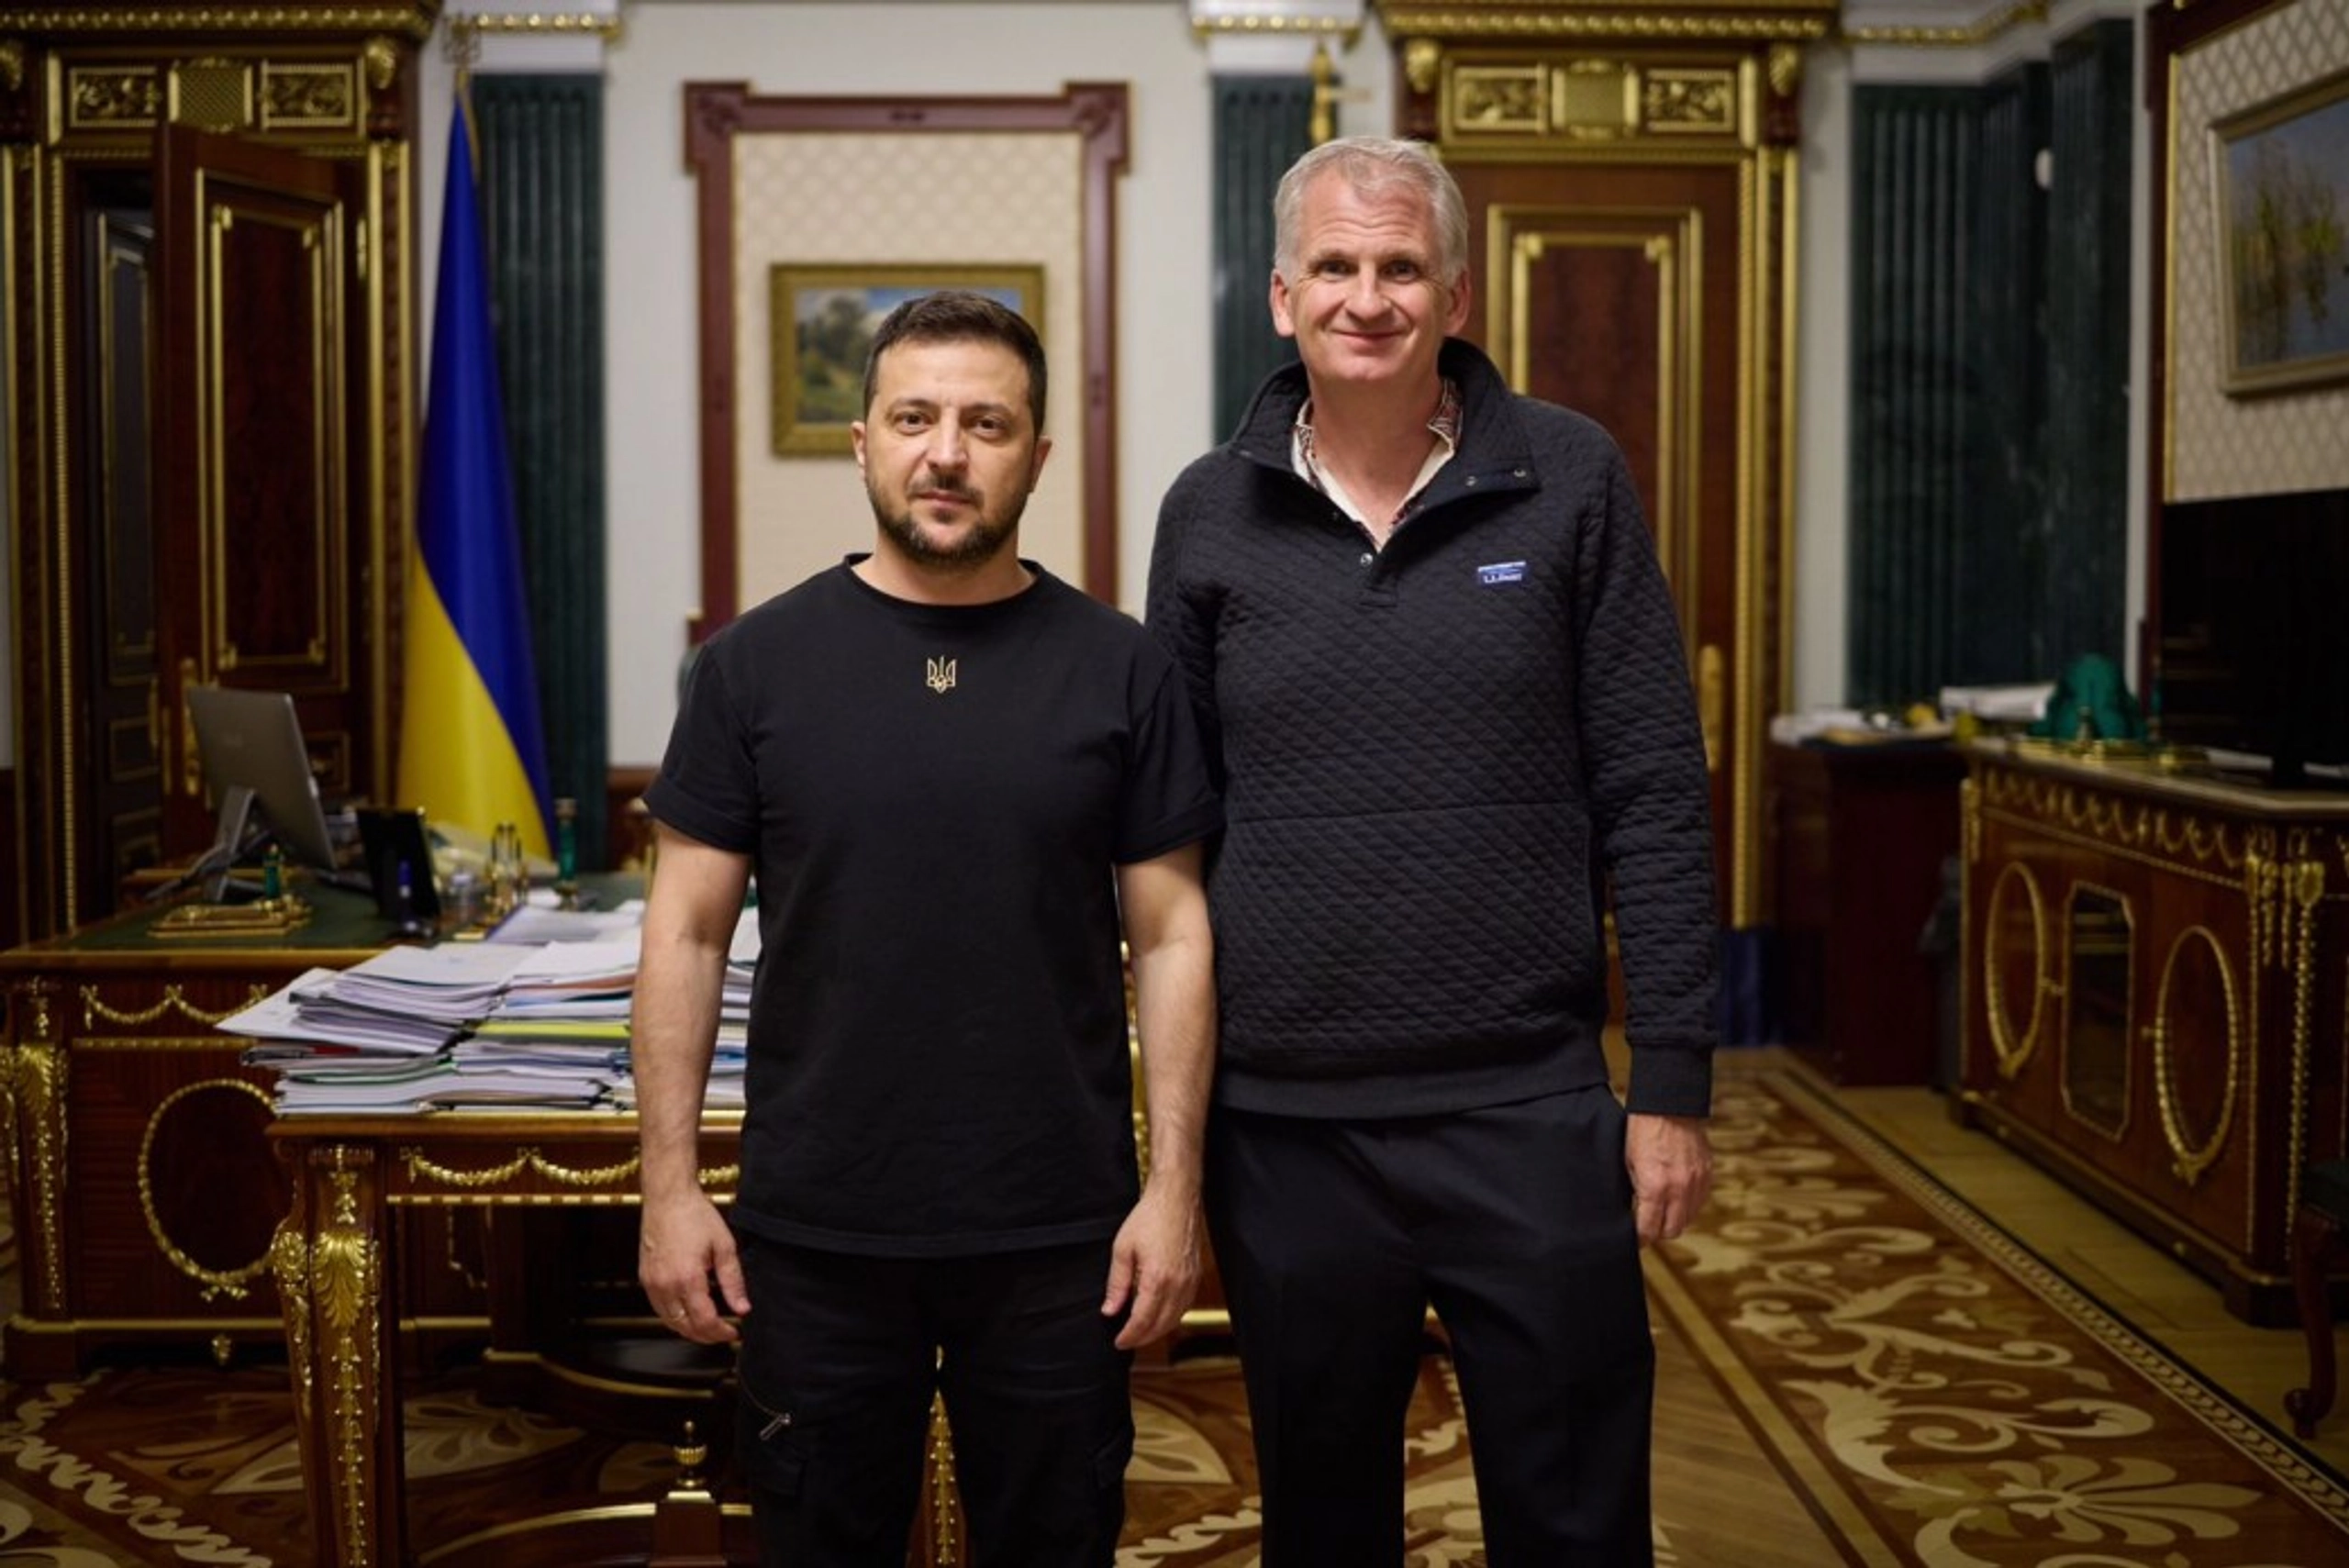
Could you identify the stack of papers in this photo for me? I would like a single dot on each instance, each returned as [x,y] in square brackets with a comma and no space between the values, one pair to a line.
[493,1024]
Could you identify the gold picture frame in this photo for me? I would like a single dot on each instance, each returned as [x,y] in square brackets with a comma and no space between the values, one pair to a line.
[822,319]
[2280,183]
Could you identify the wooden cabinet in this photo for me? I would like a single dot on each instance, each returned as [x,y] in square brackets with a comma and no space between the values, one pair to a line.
[2156,978]
[1858,837]
[207,212]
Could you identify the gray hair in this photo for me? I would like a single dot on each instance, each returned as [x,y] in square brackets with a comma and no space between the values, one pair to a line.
[1372,165]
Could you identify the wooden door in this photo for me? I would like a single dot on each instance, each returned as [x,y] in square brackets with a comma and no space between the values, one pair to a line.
[1630,207]
[262,459]
[1614,291]
[207,393]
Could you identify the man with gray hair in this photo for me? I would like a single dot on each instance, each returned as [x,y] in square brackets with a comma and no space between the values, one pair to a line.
[1443,691]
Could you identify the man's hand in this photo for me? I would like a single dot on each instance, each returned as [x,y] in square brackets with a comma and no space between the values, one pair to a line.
[1672,1173]
[1154,1266]
[682,1245]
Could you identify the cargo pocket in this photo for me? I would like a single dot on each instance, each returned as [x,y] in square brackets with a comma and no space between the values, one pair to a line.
[773,1434]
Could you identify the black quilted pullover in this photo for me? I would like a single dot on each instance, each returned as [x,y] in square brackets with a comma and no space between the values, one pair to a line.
[1439,760]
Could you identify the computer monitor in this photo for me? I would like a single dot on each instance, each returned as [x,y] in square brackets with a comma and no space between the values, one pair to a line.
[254,758]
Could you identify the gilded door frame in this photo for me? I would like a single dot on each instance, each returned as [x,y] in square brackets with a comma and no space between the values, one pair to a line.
[1621,86]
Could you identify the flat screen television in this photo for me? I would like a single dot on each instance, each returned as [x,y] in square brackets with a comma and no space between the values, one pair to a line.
[2251,633]
[257,772]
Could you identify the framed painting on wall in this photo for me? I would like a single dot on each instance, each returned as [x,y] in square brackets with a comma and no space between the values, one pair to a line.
[823,319]
[2282,204]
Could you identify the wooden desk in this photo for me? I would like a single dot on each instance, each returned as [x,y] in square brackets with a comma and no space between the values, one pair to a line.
[335,1262]
[141,1180]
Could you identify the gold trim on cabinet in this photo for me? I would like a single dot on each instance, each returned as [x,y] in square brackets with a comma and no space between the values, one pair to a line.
[2014,1053]
[2187,1162]
[217,1283]
[2306,890]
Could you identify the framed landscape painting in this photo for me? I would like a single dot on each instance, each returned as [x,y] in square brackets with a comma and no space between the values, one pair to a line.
[823,319]
[2282,172]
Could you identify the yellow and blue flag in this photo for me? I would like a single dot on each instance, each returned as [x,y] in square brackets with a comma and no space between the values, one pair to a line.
[472,753]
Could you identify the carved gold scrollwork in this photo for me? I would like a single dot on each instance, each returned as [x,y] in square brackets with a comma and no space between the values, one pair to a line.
[2165,836]
[95,1008]
[289,1260]
[308,94]
[2307,892]
[230,1283]
[1422,62]
[379,58]
[1683,101]
[114,96]
[1784,69]
[1508,99]
[945,1521]
[344,1267]
[420,1167]
[2188,1158]
[36,1071]
[12,64]
[2004,923]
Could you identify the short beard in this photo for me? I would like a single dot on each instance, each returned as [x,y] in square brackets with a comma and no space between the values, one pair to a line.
[969,551]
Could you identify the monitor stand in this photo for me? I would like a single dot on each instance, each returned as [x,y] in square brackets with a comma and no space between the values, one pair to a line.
[236,820]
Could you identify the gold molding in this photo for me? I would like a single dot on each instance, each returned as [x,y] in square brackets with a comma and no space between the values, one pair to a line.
[2174,835]
[217,1283]
[1339,27]
[410,20]
[2023,13]
[94,1008]
[2188,1163]
[466,25]
[2305,887]
[38,1074]
[1649,25]
[420,1167]
[289,1260]
[346,1265]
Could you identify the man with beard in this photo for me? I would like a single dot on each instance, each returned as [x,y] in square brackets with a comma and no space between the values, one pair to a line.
[958,782]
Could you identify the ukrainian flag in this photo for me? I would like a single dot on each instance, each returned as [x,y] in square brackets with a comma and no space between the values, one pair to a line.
[471,750]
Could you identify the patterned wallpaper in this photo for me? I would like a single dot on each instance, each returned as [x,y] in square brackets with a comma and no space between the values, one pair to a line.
[831,198]
[2222,445]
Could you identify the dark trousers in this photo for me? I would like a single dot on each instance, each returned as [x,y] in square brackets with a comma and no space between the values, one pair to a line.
[1333,1238]
[840,1357]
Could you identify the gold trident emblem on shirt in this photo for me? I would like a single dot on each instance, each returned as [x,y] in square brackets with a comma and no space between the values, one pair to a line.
[941,675]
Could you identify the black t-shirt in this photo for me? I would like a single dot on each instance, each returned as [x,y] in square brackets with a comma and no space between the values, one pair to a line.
[934,798]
